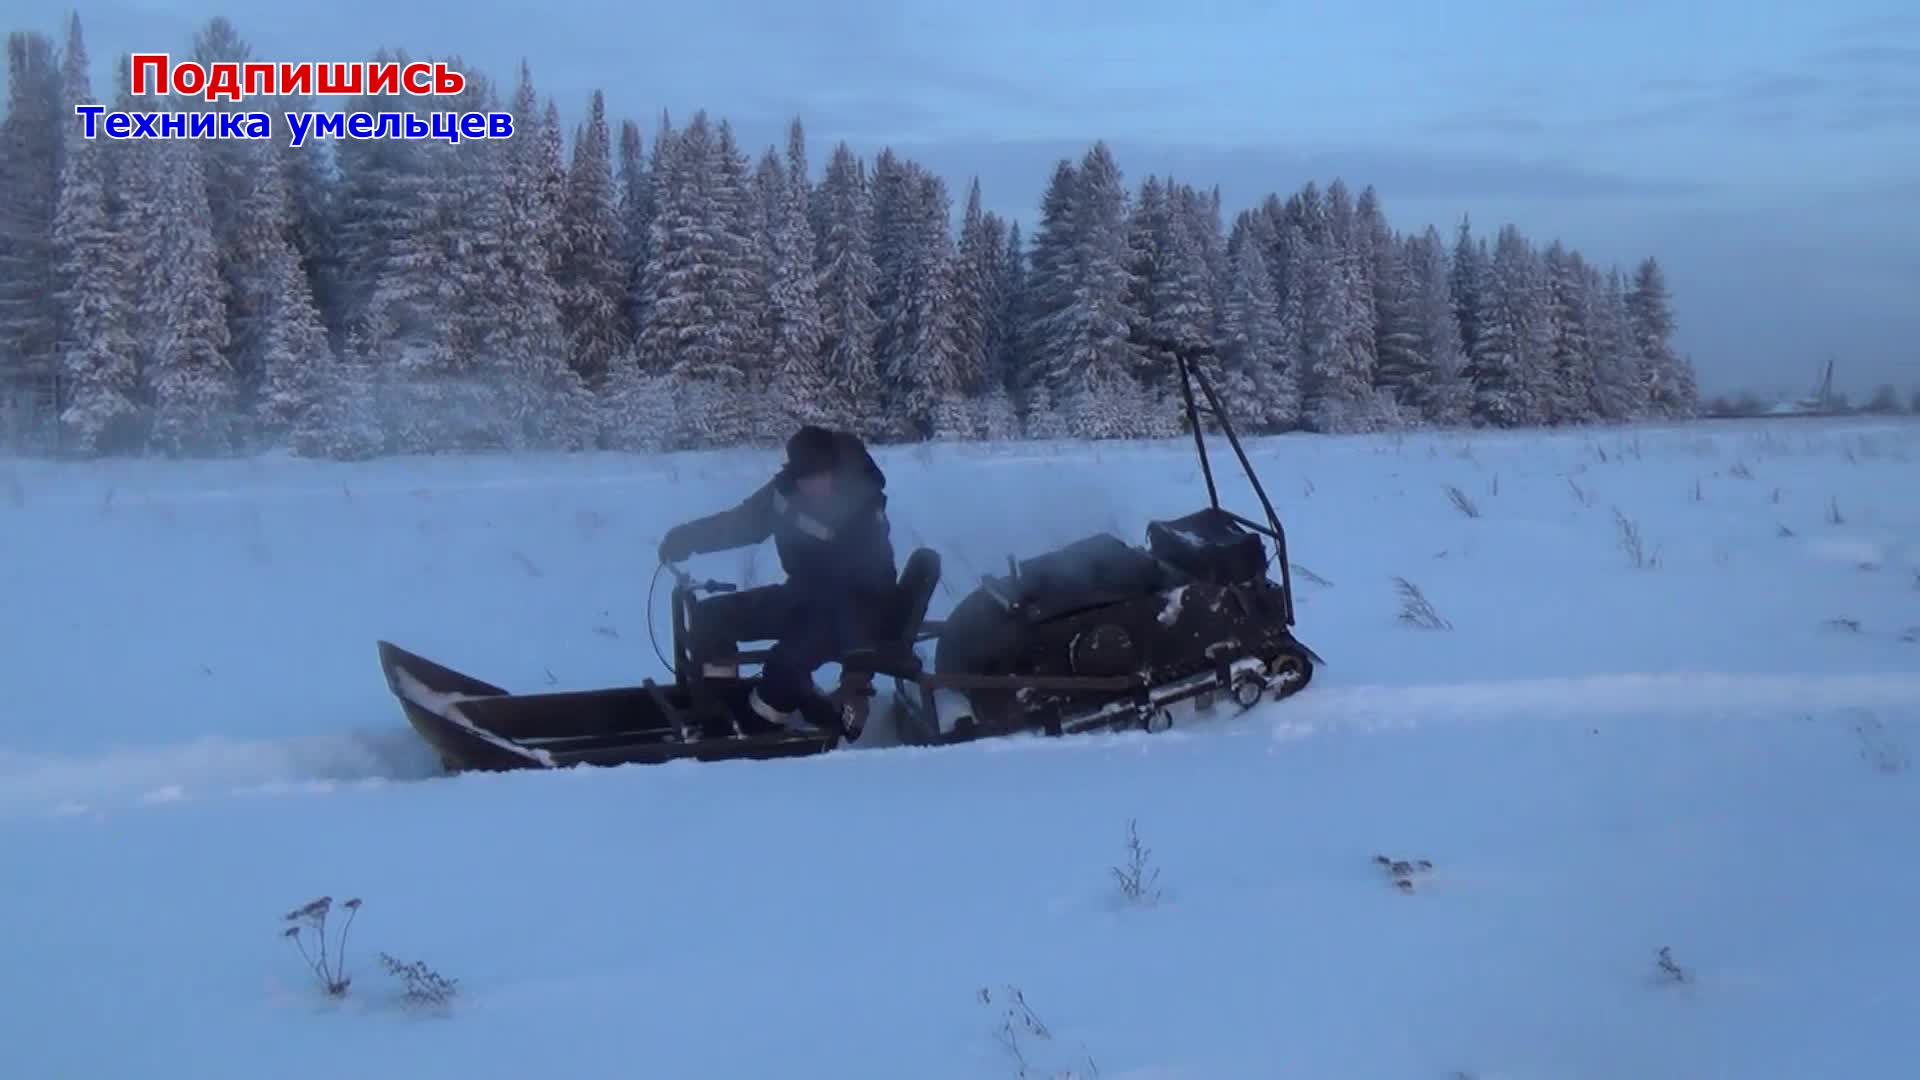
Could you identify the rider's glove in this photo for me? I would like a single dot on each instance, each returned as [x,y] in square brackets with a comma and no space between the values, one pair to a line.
[674,547]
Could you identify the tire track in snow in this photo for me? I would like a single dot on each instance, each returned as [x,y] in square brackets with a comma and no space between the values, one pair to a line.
[33,785]
[36,785]
[1628,694]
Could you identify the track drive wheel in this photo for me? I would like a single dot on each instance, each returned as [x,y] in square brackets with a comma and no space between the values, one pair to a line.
[1289,673]
[1247,689]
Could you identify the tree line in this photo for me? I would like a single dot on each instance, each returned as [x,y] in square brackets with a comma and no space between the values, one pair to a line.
[357,297]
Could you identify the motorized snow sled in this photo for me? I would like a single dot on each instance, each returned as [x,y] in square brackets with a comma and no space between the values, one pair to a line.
[1097,635]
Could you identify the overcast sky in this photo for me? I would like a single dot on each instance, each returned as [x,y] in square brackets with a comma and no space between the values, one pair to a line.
[1769,155]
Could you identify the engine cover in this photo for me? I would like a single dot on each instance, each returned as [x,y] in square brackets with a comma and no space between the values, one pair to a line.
[1103,650]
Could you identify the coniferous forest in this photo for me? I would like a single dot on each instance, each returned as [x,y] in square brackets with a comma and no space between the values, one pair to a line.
[659,286]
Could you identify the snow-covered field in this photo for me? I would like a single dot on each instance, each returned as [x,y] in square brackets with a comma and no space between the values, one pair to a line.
[1710,754]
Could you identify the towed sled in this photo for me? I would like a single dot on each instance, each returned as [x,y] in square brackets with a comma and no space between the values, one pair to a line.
[1097,635]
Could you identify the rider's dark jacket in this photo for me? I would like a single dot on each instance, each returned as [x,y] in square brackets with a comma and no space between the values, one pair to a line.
[844,546]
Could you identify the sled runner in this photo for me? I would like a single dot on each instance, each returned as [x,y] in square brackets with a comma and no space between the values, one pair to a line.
[1097,635]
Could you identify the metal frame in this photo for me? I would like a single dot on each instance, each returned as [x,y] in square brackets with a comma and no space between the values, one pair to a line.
[1189,375]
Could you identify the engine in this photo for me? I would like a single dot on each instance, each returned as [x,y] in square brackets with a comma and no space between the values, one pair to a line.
[1103,650]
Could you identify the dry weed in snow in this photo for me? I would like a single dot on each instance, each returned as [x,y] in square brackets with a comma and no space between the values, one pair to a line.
[527,564]
[329,963]
[1462,502]
[1302,571]
[1630,542]
[1404,872]
[1138,879]
[1670,969]
[421,985]
[1019,1028]
[1415,610]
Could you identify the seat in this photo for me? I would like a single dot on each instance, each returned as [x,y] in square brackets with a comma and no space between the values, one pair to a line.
[893,654]
[1209,545]
[918,578]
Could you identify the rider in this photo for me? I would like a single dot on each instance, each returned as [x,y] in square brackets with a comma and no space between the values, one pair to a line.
[826,512]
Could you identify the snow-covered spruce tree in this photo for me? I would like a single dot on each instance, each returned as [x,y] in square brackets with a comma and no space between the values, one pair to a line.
[972,283]
[977,280]
[805,189]
[307,174]
[101,414]
[997,410]
[514,302]
[655,344]
[1510,348]
[1338,384]
[1170,302]
[288,344]
[1090,362]
[1012,290]
[637,407]
[230,167]
[1149,223]
[1259,372]
[1446,396]
[698,282]
[1671,391]
[660,179]
[31,138]
[1403,370]
[1201,211]
[463,335]
[759,210]
[553,183]
[1569,323]
[273,321]
[1539,371]
[414,226]
[377,202]
[345,420]
[798,388]
[920,361]
[800,178]
[1044,301]
[744,286]
[636,210]
[846,278]
[1467,279]
[798,354]
[181,316]
[1183,311]
[889,188]
[1293,246]
[1264,224]
[1369,242]
[1619,393]
[592,279]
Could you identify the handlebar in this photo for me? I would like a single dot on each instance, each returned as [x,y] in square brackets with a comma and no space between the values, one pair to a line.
[686,582]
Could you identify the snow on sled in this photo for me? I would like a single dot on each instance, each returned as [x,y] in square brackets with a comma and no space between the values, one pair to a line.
[1097,635]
